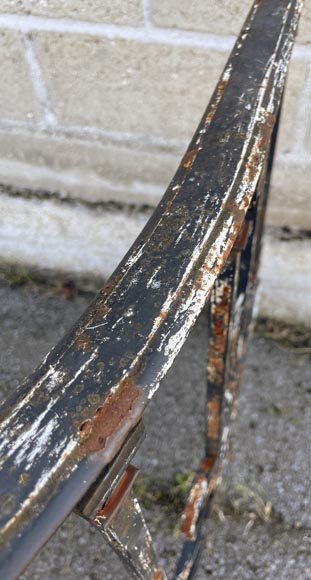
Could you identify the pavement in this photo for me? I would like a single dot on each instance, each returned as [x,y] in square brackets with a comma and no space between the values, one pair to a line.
[261,525]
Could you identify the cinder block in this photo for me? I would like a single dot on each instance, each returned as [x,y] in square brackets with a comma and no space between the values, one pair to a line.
[97,172]
[215,16]
[128,86]
[54,235]
[85,169]
[304,29]
[290,202]
[117,12]
[82,241]
[306,112]
[17,100]
[294,114]
[286,280]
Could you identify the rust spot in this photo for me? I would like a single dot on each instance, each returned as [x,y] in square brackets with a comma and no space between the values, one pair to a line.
[202,486]
[218,341]
[100,310]
[83,427]
[242,237]
[236,211]
[220,88]
[94,432]
[219,92]
[191,511]
[252,165]
[207,463]
[163,314]
[233,235]
[266,130]
[83,341]
[109,286]
[119,494]
[213,407]
[189,157]
[23,478]
[158,575]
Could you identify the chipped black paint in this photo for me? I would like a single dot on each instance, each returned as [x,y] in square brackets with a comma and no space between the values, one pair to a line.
[132,332]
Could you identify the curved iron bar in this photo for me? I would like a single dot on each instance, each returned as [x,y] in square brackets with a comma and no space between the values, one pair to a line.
[72,415]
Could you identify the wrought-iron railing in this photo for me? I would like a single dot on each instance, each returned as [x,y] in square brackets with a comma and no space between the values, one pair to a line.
[69,432]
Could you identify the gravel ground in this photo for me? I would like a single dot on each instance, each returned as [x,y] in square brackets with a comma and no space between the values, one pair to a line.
[260,528]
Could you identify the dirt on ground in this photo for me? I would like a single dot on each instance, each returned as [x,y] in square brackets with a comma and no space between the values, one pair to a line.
[260,528]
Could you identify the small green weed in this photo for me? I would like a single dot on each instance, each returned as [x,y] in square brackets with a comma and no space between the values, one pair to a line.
[170,495]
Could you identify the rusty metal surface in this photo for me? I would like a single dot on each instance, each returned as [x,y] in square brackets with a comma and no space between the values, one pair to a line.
[230,312]
[122,524]
[108,479]
[229,316]
[111,507]
[69,419]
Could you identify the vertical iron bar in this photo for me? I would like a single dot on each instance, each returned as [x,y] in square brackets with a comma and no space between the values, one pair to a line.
[111,506]
[128,535]
[230,314]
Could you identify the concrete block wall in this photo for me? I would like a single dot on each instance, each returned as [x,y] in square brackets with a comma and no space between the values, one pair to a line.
[98,102]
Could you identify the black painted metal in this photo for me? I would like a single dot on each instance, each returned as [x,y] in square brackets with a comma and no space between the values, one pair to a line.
[229,316]
[69,419]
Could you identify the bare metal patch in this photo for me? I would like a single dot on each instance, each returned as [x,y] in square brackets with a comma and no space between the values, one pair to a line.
[94,432]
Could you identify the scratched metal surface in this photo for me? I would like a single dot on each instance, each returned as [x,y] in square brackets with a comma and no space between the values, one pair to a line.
[69,418]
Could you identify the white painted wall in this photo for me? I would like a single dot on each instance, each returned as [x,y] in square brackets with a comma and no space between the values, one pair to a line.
[99,102]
